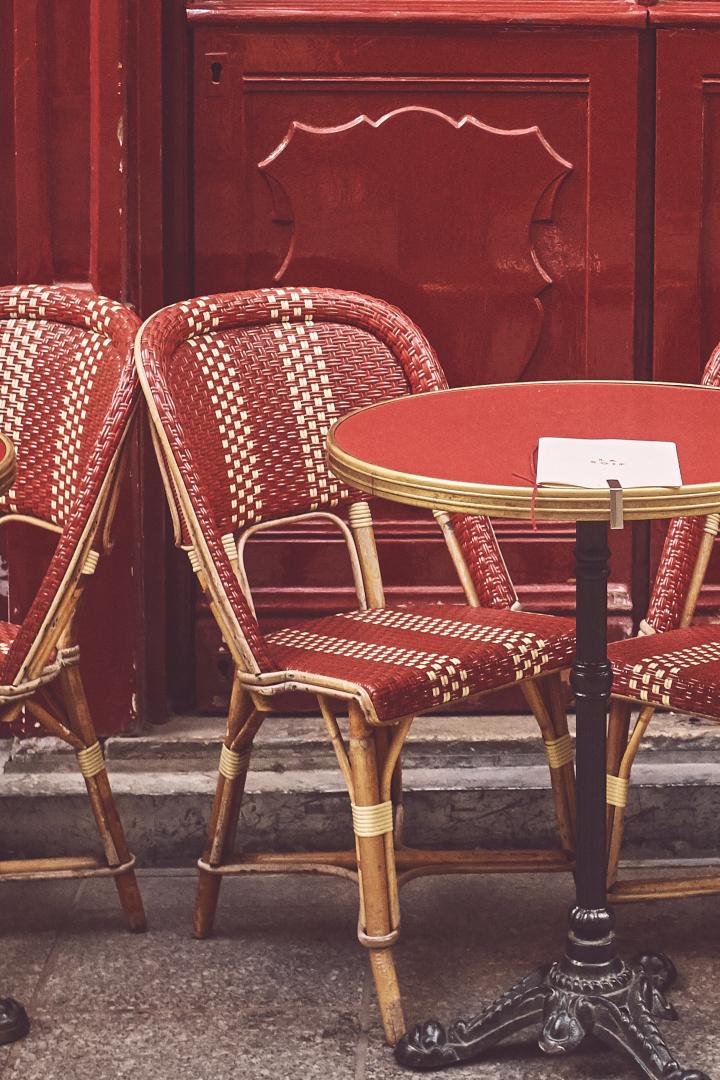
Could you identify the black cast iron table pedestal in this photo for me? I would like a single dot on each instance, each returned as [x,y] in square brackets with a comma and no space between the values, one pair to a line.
[591,990]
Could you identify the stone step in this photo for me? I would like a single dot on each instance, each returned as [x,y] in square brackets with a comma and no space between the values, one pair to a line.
[297,743]
[674,810]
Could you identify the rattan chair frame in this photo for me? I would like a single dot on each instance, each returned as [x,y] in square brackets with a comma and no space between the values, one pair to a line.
[47,682]
[683,566]
[369,757]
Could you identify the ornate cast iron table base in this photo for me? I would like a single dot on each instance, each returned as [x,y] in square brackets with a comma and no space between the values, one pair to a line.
[14,1023]
[591,990]
[615,1002]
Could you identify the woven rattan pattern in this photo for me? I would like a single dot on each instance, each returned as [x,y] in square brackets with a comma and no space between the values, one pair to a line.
[8,633]
[274,393]
[246,386]
[680,550]
[679,669]
[420,656]
[67,387]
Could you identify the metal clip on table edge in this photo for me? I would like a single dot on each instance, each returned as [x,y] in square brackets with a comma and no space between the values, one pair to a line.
[616,504]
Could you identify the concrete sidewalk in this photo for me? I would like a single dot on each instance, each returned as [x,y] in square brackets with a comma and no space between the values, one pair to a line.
[283,990]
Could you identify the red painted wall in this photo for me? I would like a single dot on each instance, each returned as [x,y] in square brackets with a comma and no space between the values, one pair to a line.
[133,134]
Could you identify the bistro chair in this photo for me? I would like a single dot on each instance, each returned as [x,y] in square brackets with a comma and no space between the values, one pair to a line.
[670,665]
[67,394]
[242,389]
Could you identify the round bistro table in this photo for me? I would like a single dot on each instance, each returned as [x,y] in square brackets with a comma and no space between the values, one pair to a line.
[471,451]
[14,1022]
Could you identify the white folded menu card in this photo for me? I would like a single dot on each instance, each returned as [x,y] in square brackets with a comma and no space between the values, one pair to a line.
[590,463]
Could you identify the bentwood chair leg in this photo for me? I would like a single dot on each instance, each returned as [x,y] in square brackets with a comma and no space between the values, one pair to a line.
[382,746]
[617,739]
[242,726]
[398,803]
[99,792]
[558,748]
[557,699]
[371,823]
[619,776]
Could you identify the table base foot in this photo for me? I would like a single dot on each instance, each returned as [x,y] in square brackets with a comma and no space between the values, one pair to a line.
[615,1002]
[14,1023]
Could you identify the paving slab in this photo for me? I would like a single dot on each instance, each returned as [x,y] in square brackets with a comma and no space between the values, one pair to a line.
[282,989]
[486,934]
[30,921]
[274,993]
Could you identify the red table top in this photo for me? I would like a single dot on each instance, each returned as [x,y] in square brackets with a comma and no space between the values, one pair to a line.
[469,449]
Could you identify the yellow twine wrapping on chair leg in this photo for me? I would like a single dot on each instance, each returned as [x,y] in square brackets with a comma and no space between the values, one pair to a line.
[232,763]
[617,790]
[90,564]
[559,751]
[372,820]
[359,515]
[91,760]
[377,941]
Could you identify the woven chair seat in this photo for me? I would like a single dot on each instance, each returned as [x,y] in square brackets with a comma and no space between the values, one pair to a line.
[679,669]
[412,658]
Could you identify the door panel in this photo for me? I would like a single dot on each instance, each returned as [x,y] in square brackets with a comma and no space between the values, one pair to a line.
[687,221]
[484,181]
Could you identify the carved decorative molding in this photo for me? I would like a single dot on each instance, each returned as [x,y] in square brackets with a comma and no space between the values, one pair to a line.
[447,234]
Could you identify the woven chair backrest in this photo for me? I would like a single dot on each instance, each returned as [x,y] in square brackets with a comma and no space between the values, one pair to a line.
[245,387]
[680,551]
[67,388]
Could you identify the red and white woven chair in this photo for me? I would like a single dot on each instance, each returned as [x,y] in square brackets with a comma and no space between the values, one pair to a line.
[67,393]
[671,665]
[242,389]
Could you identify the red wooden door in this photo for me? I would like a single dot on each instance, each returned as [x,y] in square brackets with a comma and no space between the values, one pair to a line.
[687,208]
[73,79]
[482,179]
